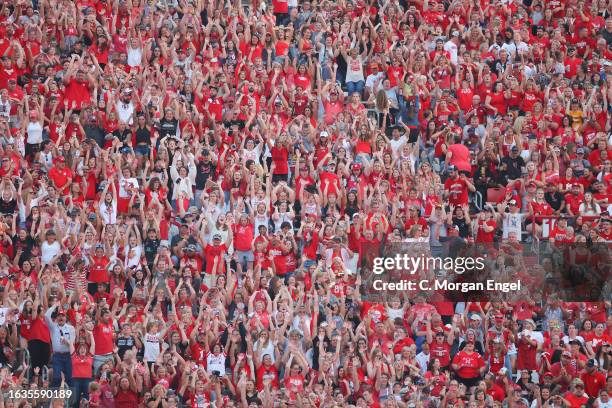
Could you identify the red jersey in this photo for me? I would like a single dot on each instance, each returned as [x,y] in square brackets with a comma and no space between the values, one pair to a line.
[270,372]
[441,352]
[104,334]
[458,192]
[212,252]
[469,364]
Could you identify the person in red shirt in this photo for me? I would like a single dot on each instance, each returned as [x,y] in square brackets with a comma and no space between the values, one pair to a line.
[572,62]
[244,233]
[61,176]
[486,226]
[573,199]
[594,380]
[98,269]
[414,218]
[563,371]
[126,390]
[82,367]
[104,334]
[576,398]
[294,380]
[494,389]
[528,342]
[268,371]
[78,85]
[538,208]
[214,255]
[440,347]
[469,366]
[39,337]
[457,186]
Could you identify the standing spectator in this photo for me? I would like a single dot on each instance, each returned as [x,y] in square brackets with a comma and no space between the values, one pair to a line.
[63,336]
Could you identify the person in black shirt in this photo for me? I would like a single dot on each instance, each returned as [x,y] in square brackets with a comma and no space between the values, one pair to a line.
[168,125]
[554,198]
[143,134]
[8,202]
[125,340]
[460,218]
[22,244]
[123,133]
[182,240]
[606,32]
[205,168]
[151,245]
[512,166]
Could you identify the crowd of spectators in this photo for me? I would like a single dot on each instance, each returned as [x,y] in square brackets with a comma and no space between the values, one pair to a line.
[190,190]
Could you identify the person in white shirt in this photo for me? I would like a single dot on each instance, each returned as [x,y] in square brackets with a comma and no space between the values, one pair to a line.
[183,175]
[50,249]
[125,107]
[516,46]
[452,46]
[512,220]
[603,401]
[108,207]
[33,126]
[151,340]
[215,361]
[5,104]
[128,185]
[423,358]
[372,79]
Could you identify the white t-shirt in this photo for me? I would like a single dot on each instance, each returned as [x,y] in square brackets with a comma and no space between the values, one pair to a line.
[124,111]
[132,256]
[354,69]
[125,184]
[215,363]
[534,335]
[151,347]
[512,223]
[396,144]
[49,251]
[394,313]
[269,349]
[451,48]
[566,339]
[109,213]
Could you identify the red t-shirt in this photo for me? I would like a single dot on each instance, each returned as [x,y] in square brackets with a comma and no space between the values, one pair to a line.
[469,364]
[593,383]
[484,236]
[82,366]
[574,400]
[97,271]
[458,192]
[103,333]
[78,92]
[126,399]
[280,157]
[39,330]
[441,352]
[212,251]
[60,178]
[243,237]
[267,371]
